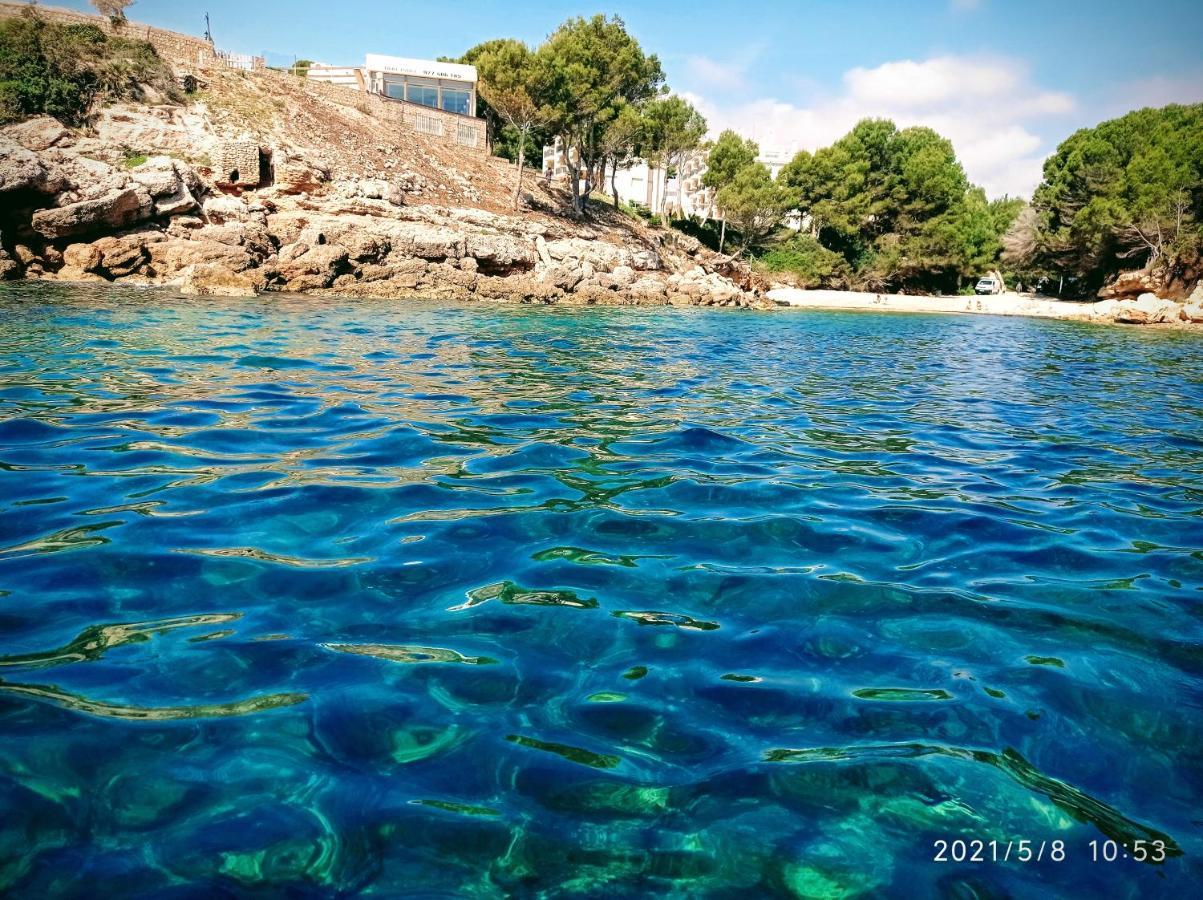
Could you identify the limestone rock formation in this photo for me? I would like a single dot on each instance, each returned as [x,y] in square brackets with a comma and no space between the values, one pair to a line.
[114,210]
[77,210]
[22,170]
[1148,309]
[215,280]
[1130,285]
[38,134]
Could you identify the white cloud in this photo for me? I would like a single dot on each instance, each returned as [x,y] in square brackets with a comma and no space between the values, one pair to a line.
[707,72]
[987,107]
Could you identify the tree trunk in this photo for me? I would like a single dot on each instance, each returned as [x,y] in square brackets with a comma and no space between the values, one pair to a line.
[614,180]
[574,179]
[722,234]
[680,205]
[521,162]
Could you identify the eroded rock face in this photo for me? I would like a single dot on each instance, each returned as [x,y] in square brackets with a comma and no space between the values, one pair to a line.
[85,257]
[170,184]
[169,257]
[22,170]
[1148,309]
[9,267]
[115,210]
[166,130]
[302,267]
[1130,284]
[83,215]
[300,174]
[500,254]
[223,208]
[215,280]
[125,255]
[38,134]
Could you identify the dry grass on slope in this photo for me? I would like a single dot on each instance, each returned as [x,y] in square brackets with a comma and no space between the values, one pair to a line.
[277,108]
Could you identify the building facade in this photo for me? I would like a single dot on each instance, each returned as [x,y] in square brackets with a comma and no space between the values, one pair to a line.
[637,182]
[448,87]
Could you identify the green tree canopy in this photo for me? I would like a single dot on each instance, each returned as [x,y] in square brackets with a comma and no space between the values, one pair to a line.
[1127,192]
[728,156]
[594,68]
[672,128]
[896,205]
[754,203]
[502,137]
[512,82]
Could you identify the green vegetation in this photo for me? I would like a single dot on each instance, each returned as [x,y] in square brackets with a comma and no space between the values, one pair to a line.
[708,231]
[671,128]
[894,210]
[64,70]
[753,203]
[591,86]
[810,263]
[728,156]
[595,69]
[1125,194]
[513,85]
[503,137]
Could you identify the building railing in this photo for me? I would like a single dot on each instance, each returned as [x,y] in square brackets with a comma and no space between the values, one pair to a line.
[428,124]
[244,61]
[467,135]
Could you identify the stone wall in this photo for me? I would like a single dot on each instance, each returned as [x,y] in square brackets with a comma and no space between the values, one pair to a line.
[237,163]
[461,134]
[180,49]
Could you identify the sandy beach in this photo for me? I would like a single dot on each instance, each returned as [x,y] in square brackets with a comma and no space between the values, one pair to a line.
[1008,304]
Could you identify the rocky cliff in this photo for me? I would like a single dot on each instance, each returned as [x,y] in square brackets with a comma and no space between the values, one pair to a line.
[344,204]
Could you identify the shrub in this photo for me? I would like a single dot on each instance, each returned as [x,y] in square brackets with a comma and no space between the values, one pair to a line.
[808,262]
[63,70]
[706,231]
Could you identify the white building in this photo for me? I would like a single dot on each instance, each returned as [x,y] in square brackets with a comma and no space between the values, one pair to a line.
[775,160]
[637,182]
[450,87]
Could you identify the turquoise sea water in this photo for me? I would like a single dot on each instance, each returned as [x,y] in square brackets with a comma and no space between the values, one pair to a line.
[317,597]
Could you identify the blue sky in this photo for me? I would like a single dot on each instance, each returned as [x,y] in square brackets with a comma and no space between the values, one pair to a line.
[1004,79]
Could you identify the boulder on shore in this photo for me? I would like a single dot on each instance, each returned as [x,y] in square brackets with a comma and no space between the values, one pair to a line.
[215,280]
[119,209]
[1148,309]
[1130,284]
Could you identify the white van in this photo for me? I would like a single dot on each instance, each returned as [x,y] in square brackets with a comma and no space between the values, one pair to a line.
[988,285]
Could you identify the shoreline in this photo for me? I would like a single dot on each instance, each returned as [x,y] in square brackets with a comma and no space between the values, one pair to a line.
[1008,304]
[1012,305]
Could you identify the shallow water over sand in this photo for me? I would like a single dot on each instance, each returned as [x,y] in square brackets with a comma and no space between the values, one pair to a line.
[327,596]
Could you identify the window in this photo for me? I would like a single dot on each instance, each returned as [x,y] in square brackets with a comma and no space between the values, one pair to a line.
[426,94]
[456,101]
[424,124]
[395,89]
[466,134]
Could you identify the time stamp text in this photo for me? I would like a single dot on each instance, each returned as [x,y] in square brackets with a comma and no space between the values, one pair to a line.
[973,850]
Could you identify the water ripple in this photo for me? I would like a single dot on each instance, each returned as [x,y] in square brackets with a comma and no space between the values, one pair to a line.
[486,601]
